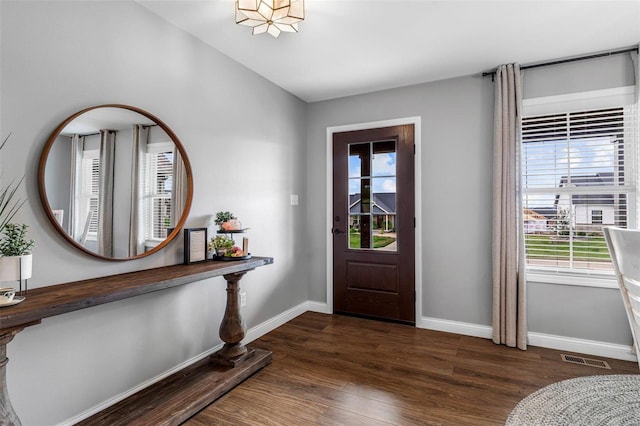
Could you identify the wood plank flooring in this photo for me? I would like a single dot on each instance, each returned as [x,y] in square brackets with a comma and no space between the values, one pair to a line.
[338,370]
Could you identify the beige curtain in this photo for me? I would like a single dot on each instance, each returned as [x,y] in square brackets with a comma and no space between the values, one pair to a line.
[75,227]
[179,190]
[105,192]
[509,290]
[636,65]
[136,222]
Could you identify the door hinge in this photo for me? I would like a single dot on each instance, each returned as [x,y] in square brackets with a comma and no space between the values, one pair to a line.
[414,295]
[414,149]
[414,222]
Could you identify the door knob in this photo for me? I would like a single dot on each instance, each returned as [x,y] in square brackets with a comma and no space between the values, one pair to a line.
[336,231]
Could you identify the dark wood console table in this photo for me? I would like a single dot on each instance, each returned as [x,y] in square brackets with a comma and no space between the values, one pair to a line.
[58,299]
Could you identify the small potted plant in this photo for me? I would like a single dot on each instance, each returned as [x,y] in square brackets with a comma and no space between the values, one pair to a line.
[221,244]
[226,221]
[15,250]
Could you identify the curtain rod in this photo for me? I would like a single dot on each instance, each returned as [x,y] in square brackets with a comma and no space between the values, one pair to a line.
[564,61]
[97,133]
[93,134]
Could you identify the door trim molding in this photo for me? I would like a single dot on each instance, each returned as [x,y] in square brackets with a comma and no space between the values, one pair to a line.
[418,202]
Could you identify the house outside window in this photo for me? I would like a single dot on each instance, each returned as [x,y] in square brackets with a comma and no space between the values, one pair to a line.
[579,174]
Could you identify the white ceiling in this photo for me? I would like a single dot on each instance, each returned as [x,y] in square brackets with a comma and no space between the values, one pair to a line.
[104,118]
[348,47]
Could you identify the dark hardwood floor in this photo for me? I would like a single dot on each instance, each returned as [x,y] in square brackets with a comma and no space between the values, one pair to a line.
[337,370]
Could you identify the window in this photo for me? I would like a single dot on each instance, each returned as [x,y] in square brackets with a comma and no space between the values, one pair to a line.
[158,183]
[88,195]
[596,217]
[578,174]
[372,195]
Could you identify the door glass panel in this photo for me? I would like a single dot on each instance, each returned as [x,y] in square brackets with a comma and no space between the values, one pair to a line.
[355,160]
[384,159]
[359,226]
[372,200]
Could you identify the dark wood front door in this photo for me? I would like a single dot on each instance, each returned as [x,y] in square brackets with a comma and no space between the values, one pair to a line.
[373,223]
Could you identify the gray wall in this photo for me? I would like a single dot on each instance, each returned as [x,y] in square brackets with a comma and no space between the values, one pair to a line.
[579,76]
[59,57]
[456,183]
[580,312]
[457,120]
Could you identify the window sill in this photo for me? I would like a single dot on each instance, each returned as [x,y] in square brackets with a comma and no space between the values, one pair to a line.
[575,280]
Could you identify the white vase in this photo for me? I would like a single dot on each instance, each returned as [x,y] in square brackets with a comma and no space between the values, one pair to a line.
[13,268]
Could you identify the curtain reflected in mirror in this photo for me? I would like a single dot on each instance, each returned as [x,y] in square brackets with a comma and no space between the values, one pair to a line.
[119,180]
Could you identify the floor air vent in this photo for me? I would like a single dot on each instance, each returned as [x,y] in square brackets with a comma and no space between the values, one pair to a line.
[575,359]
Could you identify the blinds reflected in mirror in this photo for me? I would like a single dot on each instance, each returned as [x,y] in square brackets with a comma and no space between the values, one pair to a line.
[157,184]
[89,195]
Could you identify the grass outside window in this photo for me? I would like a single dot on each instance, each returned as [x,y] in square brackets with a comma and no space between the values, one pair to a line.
[554,247]
[378,240]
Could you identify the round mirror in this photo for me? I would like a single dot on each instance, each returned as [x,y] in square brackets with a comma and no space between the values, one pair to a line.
[115,182]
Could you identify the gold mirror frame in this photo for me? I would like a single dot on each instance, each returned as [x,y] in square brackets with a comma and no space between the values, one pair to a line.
[45,199]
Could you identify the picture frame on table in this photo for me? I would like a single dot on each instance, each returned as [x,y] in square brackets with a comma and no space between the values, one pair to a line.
[195,245]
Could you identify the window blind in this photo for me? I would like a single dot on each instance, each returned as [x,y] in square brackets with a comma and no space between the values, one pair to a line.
[88,197]
[157,190]
[579,174]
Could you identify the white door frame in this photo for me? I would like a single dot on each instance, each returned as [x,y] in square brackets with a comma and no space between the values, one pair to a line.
[418,203]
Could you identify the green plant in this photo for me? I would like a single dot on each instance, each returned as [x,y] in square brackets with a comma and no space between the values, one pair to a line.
[220,242]
[378,241]
[222,217]
[9,206]
[13,242]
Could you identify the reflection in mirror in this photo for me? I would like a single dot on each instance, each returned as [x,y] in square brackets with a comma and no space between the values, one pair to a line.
[115,181]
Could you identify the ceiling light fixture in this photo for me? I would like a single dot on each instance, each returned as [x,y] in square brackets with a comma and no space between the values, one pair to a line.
[270,16]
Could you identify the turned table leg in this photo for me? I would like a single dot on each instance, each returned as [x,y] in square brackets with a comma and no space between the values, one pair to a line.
[8,416]
[232,328]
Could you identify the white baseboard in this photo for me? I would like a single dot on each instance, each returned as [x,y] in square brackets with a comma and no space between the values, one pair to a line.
[562,343]
[319,307]
[457,327]
[582,346]
[114,400]
[271,324]
[252,334]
